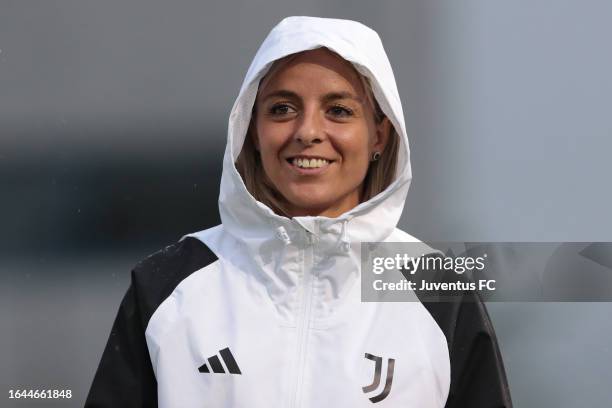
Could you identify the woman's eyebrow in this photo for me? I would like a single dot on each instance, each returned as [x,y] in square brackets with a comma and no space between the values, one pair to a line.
[331,96]
[282,93]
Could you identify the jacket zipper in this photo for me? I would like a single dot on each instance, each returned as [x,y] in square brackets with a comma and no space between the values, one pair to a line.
[304,320]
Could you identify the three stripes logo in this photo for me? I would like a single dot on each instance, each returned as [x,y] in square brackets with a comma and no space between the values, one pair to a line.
[377,374]
[215,363]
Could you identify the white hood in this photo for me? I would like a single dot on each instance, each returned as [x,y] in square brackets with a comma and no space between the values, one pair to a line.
[373,220]
[265,233]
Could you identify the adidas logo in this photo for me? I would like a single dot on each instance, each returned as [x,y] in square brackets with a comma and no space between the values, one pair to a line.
[215,363]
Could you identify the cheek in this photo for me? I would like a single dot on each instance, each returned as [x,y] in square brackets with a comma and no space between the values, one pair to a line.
[354,147]
[271,138]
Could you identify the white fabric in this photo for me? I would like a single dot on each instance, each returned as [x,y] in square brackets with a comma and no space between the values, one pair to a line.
[285,293]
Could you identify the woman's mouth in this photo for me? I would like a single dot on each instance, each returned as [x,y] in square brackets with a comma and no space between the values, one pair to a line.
[309,165]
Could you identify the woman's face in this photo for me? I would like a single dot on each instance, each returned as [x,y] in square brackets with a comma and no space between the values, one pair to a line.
[316,133]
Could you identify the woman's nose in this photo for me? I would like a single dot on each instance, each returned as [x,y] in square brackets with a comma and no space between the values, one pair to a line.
[310,128]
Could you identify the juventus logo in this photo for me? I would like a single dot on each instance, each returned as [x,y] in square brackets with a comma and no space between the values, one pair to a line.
[217,367]
[376,382]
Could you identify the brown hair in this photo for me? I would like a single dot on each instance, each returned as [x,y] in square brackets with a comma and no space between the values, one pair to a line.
[379,176]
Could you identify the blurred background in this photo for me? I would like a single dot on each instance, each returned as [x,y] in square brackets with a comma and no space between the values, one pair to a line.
[112,128]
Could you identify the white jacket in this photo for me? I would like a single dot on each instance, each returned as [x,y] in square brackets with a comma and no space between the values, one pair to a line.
[266,311]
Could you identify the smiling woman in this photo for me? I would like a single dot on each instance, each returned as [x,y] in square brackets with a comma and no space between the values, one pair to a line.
[265,309]
[315,138]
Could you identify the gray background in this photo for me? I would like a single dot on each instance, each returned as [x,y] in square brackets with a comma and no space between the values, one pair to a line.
[112,126]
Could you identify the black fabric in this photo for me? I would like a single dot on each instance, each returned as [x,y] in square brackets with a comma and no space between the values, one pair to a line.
[478,377]
[230,362]
[125,376]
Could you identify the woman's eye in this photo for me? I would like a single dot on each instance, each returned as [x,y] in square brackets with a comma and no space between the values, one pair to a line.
[340,111]
[280,109]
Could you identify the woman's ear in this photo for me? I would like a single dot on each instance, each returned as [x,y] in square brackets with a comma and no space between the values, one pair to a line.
[383,130]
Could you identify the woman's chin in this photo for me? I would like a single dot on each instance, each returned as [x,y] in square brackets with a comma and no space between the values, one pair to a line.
[309,195]
[319,199]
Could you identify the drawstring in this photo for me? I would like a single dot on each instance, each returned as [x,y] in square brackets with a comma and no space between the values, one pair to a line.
[345,242]
[282,234]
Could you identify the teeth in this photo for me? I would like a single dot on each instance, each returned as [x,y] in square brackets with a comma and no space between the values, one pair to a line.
[309,164]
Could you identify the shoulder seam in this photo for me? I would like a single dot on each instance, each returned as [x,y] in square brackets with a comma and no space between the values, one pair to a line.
[156,277]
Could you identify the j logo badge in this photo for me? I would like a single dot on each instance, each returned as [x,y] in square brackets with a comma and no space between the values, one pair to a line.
[377,373]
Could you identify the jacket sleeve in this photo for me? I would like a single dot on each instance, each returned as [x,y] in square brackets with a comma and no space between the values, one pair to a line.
[125,376]
[478,377]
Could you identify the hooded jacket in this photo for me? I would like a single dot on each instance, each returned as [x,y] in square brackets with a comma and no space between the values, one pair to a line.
[265,311]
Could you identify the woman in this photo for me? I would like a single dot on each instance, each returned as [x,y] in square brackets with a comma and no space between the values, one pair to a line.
[264,310]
